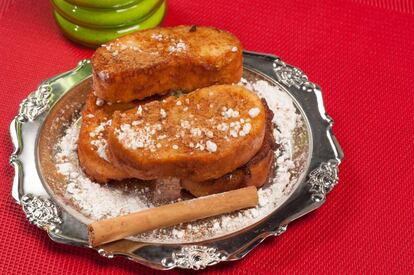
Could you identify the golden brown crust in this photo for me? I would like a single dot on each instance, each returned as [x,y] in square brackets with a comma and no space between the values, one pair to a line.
[96,167]
[255,173]
[150,144]
[159,60]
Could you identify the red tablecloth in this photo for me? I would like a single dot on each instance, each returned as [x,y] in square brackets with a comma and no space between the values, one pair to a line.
[360,52]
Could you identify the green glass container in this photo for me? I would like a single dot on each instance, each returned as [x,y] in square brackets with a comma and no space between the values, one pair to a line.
[93,27]
[103,4]
[106,18]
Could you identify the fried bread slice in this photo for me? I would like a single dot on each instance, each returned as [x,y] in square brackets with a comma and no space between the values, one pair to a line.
[199,136]
[99,168]
[159,60]
[92,142]
[254,173]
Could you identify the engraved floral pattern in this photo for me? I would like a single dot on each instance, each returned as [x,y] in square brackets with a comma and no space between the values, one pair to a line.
[323,179]
[194,257]
[41,212]
[35,104]
[291,76]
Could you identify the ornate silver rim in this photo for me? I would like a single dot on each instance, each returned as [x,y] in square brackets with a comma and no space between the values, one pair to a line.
[41,210]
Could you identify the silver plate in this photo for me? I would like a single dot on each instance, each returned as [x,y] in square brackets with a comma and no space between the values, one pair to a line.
[36,188]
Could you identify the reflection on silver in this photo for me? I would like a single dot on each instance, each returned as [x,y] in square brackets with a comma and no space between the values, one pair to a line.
[280,230]
[41,212]
[35,104]
[105,254]
[291,76]
[194,257]
[323,179]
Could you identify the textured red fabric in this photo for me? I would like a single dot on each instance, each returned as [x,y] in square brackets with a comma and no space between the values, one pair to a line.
[361,53]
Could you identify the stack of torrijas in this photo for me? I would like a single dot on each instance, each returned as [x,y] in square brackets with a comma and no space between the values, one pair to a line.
[216,137]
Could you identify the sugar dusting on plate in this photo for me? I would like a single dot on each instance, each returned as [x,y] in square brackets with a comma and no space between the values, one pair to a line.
[97,201]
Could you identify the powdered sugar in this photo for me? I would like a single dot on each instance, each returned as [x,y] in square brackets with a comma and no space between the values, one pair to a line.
[177,46]
[254,112]
[116,47]
[93,200]
[228,113]
[140,138]
[103,75]
[100,102]
[211,146]
[157,36]
[285,116]
[98,141]
[98,201]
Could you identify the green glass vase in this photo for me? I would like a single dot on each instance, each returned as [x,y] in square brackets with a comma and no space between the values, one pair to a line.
[92,27]
[103,4]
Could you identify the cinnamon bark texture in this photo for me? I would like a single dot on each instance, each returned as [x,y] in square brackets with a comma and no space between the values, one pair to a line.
[109,230]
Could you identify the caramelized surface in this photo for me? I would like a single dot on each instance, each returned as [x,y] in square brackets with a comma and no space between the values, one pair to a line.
[91,141]
[254,173]
[203,135]
[159,60]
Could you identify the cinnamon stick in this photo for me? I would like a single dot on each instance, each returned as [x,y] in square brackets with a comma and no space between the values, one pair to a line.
[113,229]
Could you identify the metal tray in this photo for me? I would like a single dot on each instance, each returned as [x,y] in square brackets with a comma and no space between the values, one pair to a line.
[41,120]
